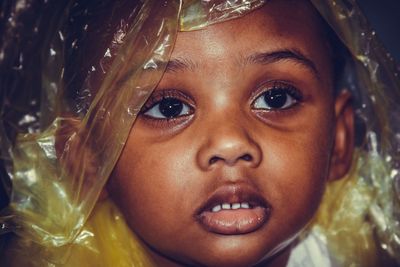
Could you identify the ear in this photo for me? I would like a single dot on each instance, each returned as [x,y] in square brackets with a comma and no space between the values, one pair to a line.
[343,147]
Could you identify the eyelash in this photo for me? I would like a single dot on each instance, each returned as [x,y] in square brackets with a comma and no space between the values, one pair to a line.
[161,95]
[283,87]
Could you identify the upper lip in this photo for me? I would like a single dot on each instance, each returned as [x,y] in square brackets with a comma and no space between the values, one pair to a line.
[233,193]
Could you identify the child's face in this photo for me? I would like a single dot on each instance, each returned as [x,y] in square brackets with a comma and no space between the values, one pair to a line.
[244,117]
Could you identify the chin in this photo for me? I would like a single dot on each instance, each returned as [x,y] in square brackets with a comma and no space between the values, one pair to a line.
[237,251]
[232,261]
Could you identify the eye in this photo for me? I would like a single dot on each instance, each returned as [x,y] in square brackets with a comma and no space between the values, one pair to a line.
[168,108]
[277,99]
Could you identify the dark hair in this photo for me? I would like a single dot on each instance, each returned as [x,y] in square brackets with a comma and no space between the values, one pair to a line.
[90,31]
[340,55]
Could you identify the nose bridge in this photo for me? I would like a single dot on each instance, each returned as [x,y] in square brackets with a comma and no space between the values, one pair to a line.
[229,130]
[228,141]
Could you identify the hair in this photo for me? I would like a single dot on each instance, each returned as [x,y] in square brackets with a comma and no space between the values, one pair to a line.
[93,35]
[339,53]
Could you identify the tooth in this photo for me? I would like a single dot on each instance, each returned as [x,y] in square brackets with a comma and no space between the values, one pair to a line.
[216,208]
[235,206]
[245,205]
[226,206]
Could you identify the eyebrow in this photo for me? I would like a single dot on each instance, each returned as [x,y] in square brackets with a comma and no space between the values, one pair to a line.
[281,55]
[182,64]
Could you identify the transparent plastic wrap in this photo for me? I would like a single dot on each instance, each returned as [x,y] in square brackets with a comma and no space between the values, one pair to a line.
[53,192]
[371,192]
[199,14]
[59,150]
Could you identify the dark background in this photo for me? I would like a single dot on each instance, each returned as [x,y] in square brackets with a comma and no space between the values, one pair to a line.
[384,17]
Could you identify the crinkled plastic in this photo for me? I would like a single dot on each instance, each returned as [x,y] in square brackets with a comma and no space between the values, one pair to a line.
[53,193]
[199,14]
[371,193]
[59,150]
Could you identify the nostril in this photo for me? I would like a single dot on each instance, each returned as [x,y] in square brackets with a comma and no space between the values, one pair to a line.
[214,160]
[246,157]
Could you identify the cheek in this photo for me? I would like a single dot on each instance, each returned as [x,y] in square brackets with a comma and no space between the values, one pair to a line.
[297,166]
[149,183]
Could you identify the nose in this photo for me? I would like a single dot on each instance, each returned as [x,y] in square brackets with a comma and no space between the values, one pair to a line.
[228,144]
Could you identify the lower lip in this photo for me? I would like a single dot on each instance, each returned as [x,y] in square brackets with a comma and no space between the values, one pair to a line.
[234,222]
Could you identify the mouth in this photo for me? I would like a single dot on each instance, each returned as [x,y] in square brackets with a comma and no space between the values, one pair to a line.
[234,210]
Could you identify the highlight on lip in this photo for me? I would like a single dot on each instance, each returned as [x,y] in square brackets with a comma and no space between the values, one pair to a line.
[234,221]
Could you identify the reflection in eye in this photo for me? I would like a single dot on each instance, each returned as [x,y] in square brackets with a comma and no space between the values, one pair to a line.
[168,108]
[277,98]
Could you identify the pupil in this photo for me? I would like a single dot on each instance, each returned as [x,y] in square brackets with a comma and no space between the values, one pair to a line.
[275,98]
[170,107]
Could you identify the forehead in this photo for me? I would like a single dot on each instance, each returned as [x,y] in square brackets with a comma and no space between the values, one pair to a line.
[278,24]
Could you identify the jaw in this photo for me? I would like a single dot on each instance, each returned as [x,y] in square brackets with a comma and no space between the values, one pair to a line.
[210,249]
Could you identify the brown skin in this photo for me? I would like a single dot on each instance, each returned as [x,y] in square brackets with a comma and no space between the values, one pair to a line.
[170,167]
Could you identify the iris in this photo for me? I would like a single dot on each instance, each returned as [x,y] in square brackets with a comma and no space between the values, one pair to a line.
[170,107]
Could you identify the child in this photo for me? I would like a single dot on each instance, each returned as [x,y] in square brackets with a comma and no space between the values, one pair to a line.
[228,158]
